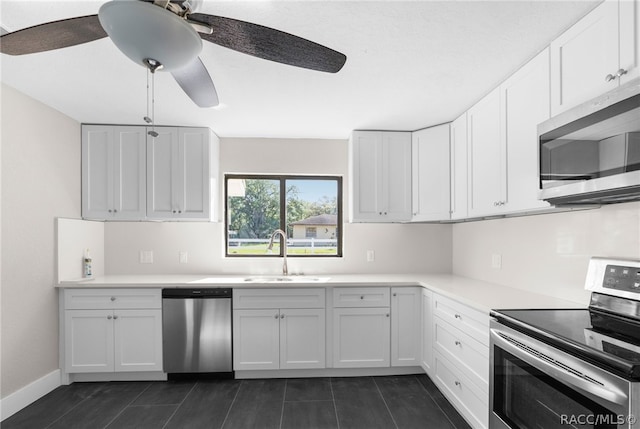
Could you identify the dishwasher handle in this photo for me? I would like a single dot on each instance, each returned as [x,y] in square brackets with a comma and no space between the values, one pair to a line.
[196,293]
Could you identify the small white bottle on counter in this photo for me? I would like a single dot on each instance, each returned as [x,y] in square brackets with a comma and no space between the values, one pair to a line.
[87,273]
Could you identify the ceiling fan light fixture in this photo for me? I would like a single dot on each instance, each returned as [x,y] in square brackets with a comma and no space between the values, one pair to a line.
[142,30]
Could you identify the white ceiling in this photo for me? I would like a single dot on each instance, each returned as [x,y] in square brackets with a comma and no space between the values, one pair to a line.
[409,65]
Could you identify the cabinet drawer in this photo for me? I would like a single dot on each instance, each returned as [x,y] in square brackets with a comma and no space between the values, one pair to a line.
[470,400]
[279,298]
[469,320]
[87,299]
[361,297]
[466,352]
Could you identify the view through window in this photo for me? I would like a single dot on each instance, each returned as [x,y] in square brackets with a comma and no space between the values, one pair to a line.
[307,209]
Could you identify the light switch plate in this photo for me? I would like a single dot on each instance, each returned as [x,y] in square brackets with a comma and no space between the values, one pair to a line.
[183,256]
[146,256]
[496,261]
[371,256]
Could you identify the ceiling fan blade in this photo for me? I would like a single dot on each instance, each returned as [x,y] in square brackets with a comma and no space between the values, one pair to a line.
[52,35]
[270,44]
[194,79]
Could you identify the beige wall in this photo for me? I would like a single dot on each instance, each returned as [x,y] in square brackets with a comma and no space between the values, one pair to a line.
[546,253]
[398,248]
[40,181]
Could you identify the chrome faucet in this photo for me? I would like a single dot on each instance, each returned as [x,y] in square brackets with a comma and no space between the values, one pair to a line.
[285,270]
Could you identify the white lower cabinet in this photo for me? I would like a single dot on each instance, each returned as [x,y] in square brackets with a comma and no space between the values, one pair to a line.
[406,309]
[376,327]
[361,337]
[461,357]
[427,331]
[107,335]
[269,332]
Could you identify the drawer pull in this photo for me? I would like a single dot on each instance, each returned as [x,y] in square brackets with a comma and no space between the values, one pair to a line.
[457,383]
[458,343]
[113,298]
[457,316]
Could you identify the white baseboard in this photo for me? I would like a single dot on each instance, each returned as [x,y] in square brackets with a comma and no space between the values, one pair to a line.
[30,393]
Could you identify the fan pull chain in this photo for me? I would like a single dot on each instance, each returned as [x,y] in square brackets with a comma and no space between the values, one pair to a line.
[151,120]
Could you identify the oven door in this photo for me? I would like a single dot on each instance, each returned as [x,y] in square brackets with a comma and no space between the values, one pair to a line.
[534,385]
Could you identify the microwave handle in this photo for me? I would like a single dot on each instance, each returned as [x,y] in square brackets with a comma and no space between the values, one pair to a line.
[548,359]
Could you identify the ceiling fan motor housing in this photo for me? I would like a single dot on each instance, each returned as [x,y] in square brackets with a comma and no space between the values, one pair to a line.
[144,31]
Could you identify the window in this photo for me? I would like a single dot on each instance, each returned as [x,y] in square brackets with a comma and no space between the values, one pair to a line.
[307,209]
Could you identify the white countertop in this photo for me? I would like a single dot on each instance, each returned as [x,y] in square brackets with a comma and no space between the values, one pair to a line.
[480,295]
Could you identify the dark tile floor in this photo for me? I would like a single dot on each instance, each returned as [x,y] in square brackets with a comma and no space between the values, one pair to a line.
[363,402]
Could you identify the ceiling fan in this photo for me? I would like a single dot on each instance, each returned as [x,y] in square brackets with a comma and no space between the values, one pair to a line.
[167,35]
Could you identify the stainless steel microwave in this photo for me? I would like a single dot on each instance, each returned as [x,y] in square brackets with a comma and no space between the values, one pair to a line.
[591,154]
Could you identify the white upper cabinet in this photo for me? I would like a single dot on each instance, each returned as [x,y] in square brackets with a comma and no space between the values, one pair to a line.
[525,103]
[487,158]
[459,168]
[113,172]
[181,168]
[380,170]
[430,169]
[595,55]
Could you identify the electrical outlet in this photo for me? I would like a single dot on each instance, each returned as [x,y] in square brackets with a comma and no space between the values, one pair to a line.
[183,256]
[496,261]
[371,256]
[146,256]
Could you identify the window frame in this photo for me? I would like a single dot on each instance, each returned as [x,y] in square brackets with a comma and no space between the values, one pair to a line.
[282,178]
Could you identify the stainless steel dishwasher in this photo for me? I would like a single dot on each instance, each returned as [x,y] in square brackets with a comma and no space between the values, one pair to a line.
[196,330]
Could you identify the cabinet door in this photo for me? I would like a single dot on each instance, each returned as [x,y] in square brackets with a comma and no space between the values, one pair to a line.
[396,180]
[406,304]
[97,171]
[256,339]
[162,154]
[487,157]
[137,340]
[430,169]
[191,190]
[88,339]
[366,175]
[302,338]
[427,331]
[361,337]
[130,180]
[629,19]
[583,56]
[525,101]
[459,168]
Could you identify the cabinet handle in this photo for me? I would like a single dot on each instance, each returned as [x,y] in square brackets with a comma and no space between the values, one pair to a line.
[458,343]
[395,294]
[109,210]
[282,316]
[109,317]
[457,316]
[361,296]
[621,72]
[609,77]
[457,383]
[174,211]
[179,211]
[115,210]
[276,316]
[113,298]
[115,317]
[387,314]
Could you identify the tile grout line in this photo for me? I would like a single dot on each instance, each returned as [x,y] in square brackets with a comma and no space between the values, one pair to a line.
[226,417]
[179,405]
[385,402]
[126,406]
[333,397]
[284,395]
[436,402]
[72,408]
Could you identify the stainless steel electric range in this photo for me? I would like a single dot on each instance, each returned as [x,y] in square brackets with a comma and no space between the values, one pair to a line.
[564,368]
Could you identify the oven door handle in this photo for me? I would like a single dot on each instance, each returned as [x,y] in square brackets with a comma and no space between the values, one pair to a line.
[552,363]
